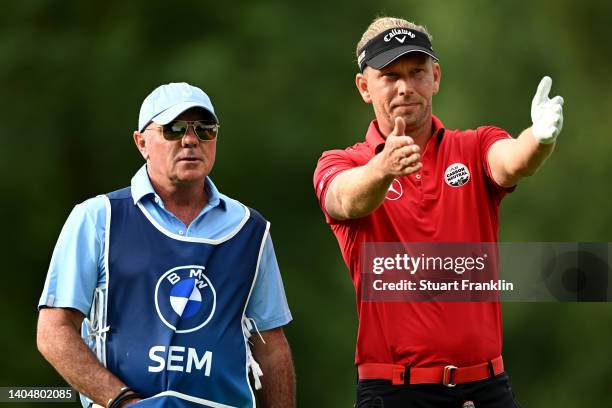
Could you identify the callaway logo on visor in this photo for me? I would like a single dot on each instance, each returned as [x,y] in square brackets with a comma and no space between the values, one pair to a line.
[391,44]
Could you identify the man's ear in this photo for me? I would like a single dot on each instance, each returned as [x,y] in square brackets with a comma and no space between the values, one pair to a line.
[141,144]
[362,86]
[437,76]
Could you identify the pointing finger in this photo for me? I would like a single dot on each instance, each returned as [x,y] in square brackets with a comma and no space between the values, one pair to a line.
[543,90]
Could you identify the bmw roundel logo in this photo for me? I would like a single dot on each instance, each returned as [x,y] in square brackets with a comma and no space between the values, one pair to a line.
[185,298]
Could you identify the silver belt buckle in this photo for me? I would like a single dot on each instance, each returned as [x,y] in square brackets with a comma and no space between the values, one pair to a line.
[447,374]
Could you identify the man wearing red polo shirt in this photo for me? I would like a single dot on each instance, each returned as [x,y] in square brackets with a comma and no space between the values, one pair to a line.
[412,180]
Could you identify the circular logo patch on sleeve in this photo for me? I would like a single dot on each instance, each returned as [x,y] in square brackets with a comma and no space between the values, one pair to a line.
[457,175]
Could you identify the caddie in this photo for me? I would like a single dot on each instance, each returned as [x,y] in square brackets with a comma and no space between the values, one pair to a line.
[167,293]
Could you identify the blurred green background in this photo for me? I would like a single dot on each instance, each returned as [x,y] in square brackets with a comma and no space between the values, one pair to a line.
[281,77]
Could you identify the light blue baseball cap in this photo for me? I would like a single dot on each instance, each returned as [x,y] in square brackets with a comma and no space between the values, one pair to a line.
[168,101]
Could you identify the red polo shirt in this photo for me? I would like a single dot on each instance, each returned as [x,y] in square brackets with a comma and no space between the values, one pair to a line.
[424,207]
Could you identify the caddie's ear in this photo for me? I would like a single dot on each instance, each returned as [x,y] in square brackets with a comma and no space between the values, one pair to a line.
[141,144]
[362,86]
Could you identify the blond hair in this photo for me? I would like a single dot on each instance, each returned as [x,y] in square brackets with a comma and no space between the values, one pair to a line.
[381,24]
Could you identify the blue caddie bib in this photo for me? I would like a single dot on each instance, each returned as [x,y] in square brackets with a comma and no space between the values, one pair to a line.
[175,307]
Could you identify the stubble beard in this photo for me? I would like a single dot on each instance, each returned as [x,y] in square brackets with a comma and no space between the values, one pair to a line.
[417,120]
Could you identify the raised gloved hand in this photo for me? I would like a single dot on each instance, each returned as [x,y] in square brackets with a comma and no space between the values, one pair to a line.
[546,113]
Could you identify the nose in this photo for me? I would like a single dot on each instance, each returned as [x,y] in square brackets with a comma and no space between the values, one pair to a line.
[190,138]
[404,87]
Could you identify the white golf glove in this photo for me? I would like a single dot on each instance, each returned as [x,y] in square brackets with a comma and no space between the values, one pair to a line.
[546,113]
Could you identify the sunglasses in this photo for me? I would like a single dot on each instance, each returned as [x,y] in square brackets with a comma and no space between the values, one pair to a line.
[176,130]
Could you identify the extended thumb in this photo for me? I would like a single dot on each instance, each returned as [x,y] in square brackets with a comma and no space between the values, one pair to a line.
[400,127]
